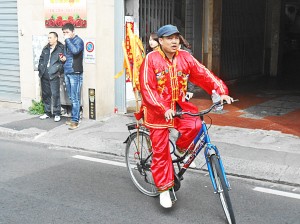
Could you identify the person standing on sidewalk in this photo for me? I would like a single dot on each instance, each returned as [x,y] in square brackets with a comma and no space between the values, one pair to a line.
[163,82]
[50,68]
[73,67]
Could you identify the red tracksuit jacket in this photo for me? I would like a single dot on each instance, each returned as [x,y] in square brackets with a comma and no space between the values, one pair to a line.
[163,84]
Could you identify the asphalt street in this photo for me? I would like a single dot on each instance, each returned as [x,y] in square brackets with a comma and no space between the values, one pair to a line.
[251,153]
[43,183]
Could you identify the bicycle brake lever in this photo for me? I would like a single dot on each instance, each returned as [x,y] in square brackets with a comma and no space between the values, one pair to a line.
[225,102]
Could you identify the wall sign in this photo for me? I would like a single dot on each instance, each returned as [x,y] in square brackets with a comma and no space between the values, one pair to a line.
[38,43]
[89,51]
[60,12]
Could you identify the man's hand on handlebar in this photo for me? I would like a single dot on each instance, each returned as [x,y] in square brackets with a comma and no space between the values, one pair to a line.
[227,98]
[169,114]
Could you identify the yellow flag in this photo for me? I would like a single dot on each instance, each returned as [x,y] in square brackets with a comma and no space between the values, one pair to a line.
[134,55]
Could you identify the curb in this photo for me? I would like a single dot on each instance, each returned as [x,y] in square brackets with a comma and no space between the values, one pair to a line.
[19,135]
[249,169]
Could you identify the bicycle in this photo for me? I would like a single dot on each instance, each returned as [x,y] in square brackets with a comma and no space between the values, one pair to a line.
[139,154]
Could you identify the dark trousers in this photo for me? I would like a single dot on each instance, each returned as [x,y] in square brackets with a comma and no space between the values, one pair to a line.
[51,94]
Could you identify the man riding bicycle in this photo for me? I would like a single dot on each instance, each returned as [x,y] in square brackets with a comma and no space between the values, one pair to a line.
[163,82]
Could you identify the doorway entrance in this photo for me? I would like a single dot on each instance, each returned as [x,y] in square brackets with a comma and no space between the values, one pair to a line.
[187,15]
[290,44]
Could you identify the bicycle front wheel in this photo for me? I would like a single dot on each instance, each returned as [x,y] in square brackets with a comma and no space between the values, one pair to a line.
[138,161]
[222,189]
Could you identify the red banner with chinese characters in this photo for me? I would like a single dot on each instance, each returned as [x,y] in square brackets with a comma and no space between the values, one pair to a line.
[60,12]
[134,55]
[129,25]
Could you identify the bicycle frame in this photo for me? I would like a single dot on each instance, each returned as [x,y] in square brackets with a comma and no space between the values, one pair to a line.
[139,165]
[202,140]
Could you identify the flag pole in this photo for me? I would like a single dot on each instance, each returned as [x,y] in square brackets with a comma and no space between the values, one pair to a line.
[134,55]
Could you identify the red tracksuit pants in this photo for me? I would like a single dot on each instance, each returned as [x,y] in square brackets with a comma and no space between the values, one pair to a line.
[162,167]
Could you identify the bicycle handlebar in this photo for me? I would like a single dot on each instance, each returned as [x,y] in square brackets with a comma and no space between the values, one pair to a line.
[203,112]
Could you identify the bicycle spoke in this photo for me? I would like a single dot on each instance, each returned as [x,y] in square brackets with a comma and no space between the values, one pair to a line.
[222,190]
[138,160]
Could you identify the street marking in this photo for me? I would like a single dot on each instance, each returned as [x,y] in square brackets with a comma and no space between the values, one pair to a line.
[280,193]
[100,160]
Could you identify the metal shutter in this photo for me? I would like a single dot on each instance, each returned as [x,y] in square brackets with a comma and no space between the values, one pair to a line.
[9,52]
[154,14]
[243,34]
[192,30]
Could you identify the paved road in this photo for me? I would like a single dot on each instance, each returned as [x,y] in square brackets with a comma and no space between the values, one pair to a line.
[42,184]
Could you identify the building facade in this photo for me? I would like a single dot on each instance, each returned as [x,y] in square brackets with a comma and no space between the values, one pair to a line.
[236,39]
[22,23]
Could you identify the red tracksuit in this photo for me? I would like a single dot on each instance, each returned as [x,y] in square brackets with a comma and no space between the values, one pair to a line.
[163,85]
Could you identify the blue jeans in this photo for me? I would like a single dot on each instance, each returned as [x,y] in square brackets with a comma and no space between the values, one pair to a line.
[73,86]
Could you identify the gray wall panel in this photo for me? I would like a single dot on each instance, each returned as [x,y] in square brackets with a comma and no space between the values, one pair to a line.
[120,91]
[9,52]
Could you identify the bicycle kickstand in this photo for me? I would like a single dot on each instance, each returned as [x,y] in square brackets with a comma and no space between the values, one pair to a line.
[173,195]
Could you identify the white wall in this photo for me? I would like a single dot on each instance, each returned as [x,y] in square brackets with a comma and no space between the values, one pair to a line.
[100,26]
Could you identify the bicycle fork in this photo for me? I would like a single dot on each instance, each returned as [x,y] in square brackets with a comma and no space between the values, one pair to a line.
[209,151]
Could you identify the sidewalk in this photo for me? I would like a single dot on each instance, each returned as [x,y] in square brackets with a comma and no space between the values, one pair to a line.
[254,153]
[259,107]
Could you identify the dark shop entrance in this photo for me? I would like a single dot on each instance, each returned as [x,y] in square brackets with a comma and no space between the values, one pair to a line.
[289,57]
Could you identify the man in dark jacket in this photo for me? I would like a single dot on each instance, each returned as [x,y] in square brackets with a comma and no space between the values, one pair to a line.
[50,69]
[73,67]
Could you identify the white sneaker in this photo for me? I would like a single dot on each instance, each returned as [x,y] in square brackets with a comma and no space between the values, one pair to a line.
[44,116]
[57,118]
[178,153]
[165,199]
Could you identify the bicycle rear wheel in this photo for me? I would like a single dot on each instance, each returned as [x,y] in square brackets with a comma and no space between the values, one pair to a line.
[138,161]
[222,189]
